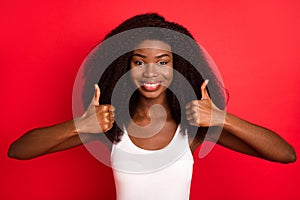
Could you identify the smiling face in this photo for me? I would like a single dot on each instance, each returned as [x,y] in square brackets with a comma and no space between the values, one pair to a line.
[152,68]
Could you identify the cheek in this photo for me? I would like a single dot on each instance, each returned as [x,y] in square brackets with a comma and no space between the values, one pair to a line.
[168,73]
[135,74]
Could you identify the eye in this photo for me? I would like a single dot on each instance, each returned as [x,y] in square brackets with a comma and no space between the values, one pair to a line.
[139,63]
[162,63]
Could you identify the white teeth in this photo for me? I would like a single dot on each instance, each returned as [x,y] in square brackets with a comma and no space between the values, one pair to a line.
[151,84]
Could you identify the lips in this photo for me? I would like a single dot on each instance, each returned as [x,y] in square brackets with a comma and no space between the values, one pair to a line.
[150,86]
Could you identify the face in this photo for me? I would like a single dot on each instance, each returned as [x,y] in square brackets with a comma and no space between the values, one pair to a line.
[152,68]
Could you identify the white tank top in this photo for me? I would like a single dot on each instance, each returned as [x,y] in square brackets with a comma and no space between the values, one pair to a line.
[152,174]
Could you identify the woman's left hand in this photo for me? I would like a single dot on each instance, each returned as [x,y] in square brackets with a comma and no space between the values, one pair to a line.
[204,112]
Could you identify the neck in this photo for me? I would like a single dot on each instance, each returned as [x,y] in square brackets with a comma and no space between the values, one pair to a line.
[144,105]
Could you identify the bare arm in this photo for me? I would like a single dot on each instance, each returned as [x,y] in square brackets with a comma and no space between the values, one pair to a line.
[238,134]
[40,141]
[45,140]
[245,137]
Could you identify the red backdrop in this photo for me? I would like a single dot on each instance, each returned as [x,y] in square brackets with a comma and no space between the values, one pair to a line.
[255,45]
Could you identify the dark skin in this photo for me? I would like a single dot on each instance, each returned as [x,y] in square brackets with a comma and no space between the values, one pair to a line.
[152,73]
[162,138]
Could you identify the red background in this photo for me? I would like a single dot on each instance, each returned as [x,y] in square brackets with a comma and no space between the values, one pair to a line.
[254,43]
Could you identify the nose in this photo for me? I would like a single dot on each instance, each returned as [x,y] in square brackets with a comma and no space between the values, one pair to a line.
[150,70]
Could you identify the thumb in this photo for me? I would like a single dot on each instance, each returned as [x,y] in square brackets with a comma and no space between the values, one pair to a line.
[204,92]
[96,95]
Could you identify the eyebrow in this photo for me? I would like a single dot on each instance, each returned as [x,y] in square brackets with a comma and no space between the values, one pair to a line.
[143,56]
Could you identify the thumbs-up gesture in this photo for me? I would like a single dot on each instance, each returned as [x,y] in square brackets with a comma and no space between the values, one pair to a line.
[204,112]
[97,118]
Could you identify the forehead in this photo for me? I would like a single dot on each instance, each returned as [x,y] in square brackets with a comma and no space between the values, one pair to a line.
[153,44]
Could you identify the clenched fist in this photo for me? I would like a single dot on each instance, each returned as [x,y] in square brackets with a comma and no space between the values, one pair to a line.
[97,118]
[204,112]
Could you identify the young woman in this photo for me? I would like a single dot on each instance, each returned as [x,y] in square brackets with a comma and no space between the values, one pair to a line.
[143,142]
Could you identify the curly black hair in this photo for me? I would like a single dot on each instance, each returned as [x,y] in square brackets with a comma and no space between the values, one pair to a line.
[188,59]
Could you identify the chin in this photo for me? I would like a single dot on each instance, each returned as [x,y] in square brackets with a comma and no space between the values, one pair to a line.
[153,94]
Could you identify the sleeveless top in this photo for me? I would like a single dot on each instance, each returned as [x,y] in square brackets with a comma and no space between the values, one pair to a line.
[152,174]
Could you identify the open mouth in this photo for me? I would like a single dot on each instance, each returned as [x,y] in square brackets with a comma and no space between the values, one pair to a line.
[150,86]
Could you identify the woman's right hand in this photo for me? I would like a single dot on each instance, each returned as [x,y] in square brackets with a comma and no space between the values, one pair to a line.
[97,118]
[39,141]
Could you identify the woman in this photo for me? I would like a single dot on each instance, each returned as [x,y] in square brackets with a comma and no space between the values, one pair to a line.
[154,127]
